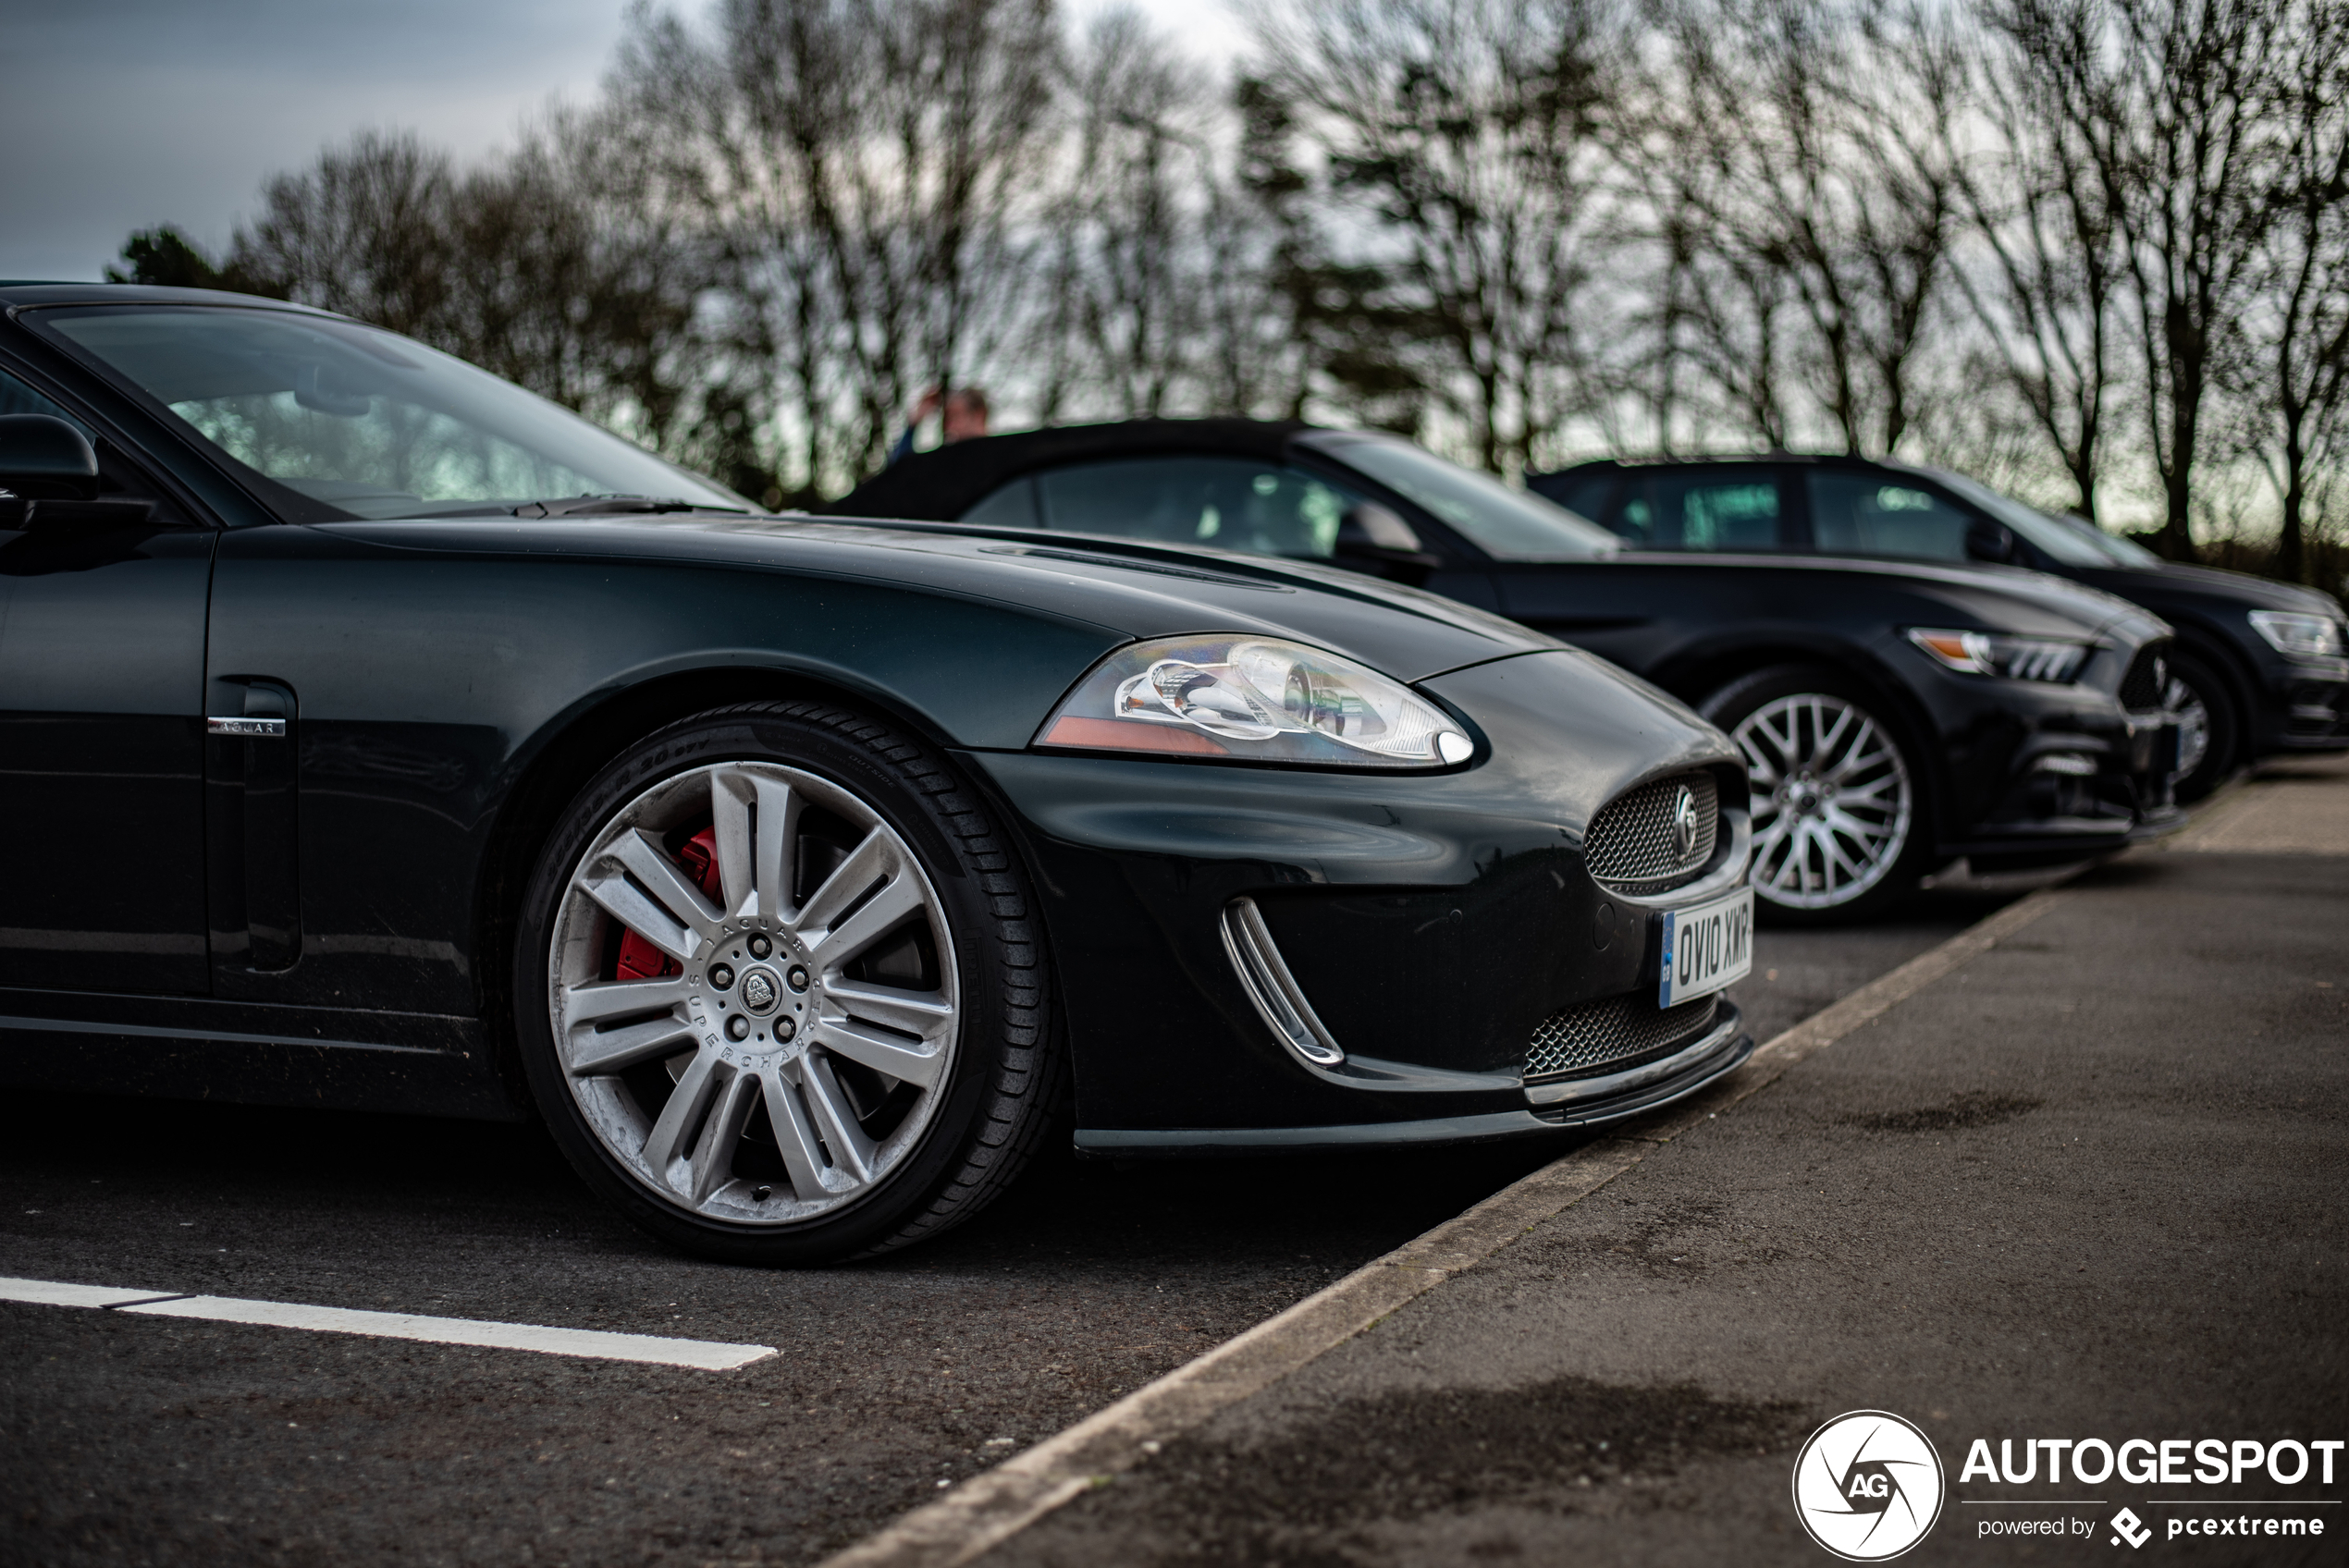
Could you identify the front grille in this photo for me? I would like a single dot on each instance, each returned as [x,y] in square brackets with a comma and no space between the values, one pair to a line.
[1613,1032]
[2148,678]
[1633,846]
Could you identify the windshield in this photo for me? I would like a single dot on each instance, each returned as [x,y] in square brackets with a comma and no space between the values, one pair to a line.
[1506,524]
[2069,539]
[366,423]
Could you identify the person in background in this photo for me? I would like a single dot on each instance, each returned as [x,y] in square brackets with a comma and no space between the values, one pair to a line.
[962,415]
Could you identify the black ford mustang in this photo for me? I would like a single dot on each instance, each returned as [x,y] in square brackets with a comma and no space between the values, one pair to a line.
[1893,717]
[378,735]
[2258,666]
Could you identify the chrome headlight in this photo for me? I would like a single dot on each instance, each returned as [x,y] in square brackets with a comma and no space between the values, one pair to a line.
[2051,659]
[2301,636]
[1254,699]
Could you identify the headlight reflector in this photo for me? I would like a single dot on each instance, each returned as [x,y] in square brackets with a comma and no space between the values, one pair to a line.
[2302,636]
[1995,653]
[1258,699]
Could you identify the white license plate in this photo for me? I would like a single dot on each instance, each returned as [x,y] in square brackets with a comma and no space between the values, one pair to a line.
[1706,947]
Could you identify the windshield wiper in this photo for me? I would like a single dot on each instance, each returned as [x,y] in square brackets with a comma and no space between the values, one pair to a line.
[605,506]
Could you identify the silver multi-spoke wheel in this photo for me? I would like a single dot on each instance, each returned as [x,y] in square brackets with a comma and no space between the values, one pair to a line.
[2186,705]
[1832,801]
[800,1020]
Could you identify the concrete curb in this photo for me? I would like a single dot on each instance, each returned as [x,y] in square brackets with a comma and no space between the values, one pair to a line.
[997,1504]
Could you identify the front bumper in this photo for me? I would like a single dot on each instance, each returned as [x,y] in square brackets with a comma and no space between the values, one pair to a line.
[2307,707]
[1722,1050]
[1432,920]
[2041,773]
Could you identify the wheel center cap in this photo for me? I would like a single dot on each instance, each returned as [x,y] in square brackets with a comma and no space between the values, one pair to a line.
[760,991]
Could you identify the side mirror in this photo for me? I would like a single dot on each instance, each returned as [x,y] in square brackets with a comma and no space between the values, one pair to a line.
[42,457]
[1988,541]
[1373,539]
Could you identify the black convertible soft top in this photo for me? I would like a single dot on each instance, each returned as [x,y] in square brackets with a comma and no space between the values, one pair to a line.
[941,486]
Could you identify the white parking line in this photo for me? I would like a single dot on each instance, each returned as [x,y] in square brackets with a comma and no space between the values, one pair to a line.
[705,1354]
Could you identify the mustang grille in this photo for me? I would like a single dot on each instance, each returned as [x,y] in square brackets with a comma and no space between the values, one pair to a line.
[2148,675]
[1633,846]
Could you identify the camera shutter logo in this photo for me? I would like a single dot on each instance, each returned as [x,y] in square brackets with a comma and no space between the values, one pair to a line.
[1867,1486]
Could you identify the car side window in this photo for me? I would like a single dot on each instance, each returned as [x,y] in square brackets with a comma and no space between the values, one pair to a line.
[16,398]
[1267,509]
[1013,505]
[1873,514]
[1586,494]
[1709,508]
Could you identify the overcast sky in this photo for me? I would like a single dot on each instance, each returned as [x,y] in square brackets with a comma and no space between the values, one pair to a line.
[125,114]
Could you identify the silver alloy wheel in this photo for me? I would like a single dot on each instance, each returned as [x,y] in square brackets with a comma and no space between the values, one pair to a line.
[2184,704]
[1832,800]
[764,1030]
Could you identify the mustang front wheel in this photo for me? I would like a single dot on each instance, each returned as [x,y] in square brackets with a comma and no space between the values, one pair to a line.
[778,996]
[1834,810]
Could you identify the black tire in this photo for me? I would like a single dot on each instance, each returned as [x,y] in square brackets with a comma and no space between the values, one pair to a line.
[2194,685]
[1906,844]
[984,1115]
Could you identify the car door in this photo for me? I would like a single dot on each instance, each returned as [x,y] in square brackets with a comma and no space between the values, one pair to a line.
[1712,508]
[1637,609]
[102,738]
[1866,512]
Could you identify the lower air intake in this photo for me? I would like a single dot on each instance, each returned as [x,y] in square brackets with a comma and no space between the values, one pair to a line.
[1613,1033]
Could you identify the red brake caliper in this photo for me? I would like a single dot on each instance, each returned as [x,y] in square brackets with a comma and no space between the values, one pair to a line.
[639,959]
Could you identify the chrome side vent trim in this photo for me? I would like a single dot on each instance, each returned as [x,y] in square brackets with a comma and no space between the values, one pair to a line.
[1272,988]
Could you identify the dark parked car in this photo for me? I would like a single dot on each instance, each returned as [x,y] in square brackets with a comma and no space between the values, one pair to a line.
[2257,667]
[378,735]
[1894,716]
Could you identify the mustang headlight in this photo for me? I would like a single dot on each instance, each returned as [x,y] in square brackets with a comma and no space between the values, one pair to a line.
[2302,636]
[1256,699]
[1995,653]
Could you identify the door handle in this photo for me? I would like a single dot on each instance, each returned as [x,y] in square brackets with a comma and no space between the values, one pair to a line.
[248,728]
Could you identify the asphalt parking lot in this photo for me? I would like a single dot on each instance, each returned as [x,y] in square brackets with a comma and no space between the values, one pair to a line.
[146,1440]
[2086,1186]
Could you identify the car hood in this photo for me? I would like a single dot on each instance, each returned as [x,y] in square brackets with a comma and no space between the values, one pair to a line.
[2213,587]
[1995,598]
[1131,589]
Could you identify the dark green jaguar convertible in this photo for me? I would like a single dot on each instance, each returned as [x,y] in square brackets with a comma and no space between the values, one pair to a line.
[378,735]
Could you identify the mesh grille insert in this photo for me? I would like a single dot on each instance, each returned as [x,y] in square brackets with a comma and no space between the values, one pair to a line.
[1611,1032]
[1632,846]
[2142,687]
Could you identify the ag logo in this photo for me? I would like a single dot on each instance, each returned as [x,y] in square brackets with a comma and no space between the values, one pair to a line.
[1867,1486]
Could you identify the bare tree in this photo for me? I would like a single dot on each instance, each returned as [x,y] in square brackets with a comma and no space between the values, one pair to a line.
[1801,148]
[2299,322]
[364,231]
[1462,132]
[2051,301]
[2177,136]
[1127,312]
[870,163]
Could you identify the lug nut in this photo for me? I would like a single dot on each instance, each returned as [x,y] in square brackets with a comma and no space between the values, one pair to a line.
[720,976]
[738,1027]
[761,947]
[785,1029]
[797,977]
